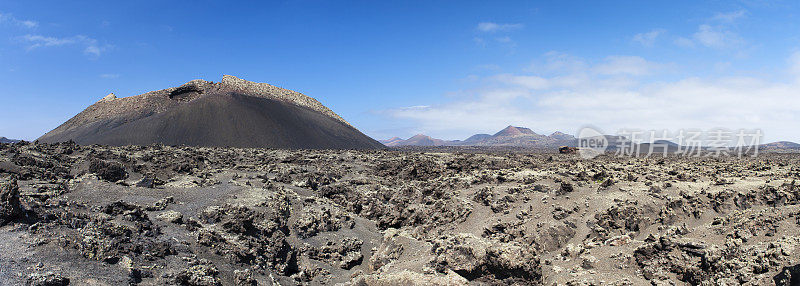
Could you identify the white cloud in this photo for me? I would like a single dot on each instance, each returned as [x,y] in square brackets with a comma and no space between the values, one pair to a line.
[479,41]
[487,67]
[506,42]
[501,40]
[567,100]
[625,65]
[730,16]
[109,75]
[648,39]
[684,42]
[42,41]
[92,49]
[28,24]
[558,62]
[8,18]
[494,27]
[716,34]
[505,39]
[90,45]
[715,37]
[530,82]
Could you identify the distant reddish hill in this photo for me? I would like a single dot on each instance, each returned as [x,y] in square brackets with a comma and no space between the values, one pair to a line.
[525,137]
[780,145]
[514,131]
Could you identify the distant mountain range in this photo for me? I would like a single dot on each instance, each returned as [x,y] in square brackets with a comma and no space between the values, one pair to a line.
[513,136]
[509,136]
[6,140]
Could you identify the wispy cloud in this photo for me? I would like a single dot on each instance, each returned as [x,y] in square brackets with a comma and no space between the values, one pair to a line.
[487,67]
[729,17]
[507,42]
[626,65]
[479,41]
[109,75]
[42,41]
[499,34]
[8,18]
[559,63]
[717,33]
[717,37]
[495,27]
[568,99]
[648,39]
[505,39]
[90,45]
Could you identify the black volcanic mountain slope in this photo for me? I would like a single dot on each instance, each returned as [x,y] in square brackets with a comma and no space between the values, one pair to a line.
[233,113]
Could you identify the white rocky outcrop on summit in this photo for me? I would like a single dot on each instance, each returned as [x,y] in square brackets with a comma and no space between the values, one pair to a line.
[109,97]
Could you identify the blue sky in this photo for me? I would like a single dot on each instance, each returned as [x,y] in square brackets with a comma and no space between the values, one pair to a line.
[444,68]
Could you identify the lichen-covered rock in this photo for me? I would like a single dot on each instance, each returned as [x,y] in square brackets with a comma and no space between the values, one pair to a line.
[244,278]
[200,272]
[111,172]
[316,219]
[344,254]
[10,208]
[409,278]
[389,250]
[481,259]
[694,262]
[171,217]
[284,217]
[619,219]
[120,229]
[251,235]
[47,279]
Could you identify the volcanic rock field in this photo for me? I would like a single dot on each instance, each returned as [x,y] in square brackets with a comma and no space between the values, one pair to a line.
[162,215]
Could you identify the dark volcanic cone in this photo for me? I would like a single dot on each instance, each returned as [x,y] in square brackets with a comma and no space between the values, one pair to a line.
[232,113]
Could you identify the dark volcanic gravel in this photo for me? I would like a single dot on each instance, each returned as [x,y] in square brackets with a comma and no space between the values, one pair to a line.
[156,215]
